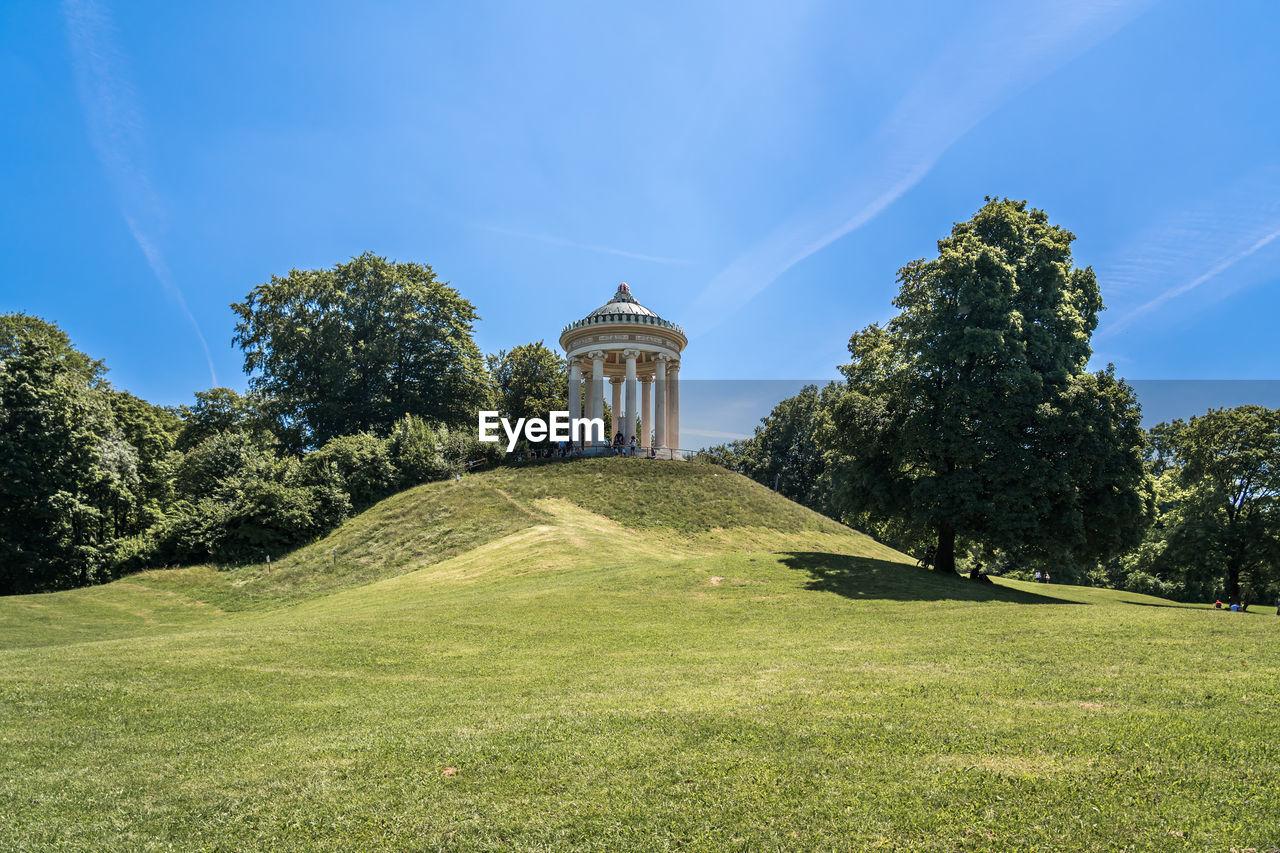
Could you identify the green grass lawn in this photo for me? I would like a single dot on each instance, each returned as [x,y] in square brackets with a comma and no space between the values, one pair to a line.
[557,658]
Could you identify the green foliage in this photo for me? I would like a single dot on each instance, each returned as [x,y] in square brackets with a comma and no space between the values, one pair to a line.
[240,504]
[972,413]
[1222,511]
[360,464]
[418,452]
[67,478]
[222,410]
[530,381]
[355,348]
[223,456]
[787,452]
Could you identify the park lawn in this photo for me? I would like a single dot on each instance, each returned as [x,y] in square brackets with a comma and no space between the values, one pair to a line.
[577,670]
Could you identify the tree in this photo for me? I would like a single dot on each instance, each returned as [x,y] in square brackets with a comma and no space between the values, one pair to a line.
[221,410]
[417,451]
[239,502]
[786,452]
[362,464]
[52,419]
[1226,522]
[530,381]
[356,347]
[971,412]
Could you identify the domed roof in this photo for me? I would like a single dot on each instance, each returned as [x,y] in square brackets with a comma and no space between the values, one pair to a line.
[622,303]
[623,309]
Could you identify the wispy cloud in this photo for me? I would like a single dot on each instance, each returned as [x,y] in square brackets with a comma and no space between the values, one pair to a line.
[572,244]
[1180,254]
[983,66]
[116,131]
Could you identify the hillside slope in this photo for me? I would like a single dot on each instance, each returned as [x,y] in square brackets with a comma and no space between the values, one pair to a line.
[626,655]
[686,508]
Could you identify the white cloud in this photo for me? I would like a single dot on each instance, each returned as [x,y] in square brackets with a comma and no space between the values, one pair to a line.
[116,131]
[1180,254]
[983,66]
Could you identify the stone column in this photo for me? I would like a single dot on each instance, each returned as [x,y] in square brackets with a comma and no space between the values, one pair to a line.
[646,411]
[629,423]
[597,384]
[575,392]
[616,382]
[660,403]
[673,408]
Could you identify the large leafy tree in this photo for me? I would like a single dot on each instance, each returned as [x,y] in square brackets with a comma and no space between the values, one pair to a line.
[529,381]
[221,410]
[786,453]
[1224,521]
[52,420]
[972,413]
[149,433]
[356,347]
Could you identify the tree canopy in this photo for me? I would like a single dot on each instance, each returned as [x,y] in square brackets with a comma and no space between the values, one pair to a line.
[1224,522]
[972,410]
[356,347]
[81,464]
[529,381]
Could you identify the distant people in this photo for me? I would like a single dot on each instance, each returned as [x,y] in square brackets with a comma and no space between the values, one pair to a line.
[617,443]
[632,451]
[1039,576]
[1046,575]
[1235,608]
[1217,605]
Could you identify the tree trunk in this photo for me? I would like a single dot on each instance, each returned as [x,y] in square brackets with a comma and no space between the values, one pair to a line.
[1233,582]
[945,560]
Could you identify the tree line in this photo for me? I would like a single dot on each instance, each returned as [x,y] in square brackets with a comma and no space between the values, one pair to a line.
[364,379]
[969,426]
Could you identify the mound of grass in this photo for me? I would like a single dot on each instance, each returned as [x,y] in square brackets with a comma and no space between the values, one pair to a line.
[657,494]
[412,529]
[586,682]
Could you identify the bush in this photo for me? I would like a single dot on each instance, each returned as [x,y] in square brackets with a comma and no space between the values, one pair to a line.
[360,462]
[418,453]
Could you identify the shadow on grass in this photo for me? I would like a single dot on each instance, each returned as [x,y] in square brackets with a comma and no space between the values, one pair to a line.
[1179,605]
[866,578]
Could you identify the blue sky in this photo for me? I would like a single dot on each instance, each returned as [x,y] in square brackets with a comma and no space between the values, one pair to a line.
[756,171]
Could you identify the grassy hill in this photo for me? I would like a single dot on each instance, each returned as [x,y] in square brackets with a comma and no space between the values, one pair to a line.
[626,654]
